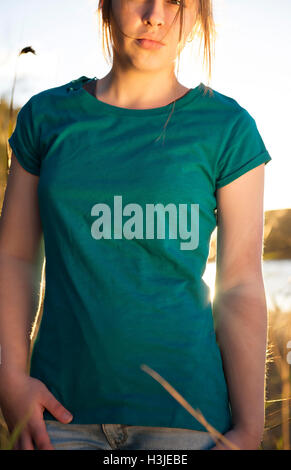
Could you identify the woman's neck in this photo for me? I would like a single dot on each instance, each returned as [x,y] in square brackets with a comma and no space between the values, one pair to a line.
[102,91]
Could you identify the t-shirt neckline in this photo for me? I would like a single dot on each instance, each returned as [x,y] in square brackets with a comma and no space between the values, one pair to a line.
[92,101]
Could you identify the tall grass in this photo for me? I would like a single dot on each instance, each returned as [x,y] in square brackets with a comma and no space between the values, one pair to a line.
[278,419]
[25,50]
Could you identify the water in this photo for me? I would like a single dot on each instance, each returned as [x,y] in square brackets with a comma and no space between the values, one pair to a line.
[277,280]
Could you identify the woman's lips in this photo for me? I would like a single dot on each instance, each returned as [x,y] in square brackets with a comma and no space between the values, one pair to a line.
[148,44]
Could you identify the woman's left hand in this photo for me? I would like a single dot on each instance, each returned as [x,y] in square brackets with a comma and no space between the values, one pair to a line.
[240,438]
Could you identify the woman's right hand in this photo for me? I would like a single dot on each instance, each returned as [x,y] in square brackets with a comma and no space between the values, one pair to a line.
[21,394]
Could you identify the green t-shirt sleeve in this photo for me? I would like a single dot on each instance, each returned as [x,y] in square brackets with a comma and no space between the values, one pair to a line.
[243,151]
[24,139]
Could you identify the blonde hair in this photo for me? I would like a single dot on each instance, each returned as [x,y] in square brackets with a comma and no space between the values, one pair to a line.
[204,29]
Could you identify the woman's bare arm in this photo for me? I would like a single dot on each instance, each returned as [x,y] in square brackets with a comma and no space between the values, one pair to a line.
[240,311]
[20,236]
[21,396]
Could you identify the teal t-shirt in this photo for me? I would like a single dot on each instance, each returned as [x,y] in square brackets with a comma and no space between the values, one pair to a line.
[128,207]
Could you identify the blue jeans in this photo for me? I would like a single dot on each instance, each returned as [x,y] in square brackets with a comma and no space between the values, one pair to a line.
[125,437]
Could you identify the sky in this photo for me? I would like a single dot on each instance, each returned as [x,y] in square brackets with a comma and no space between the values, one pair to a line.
[252,63]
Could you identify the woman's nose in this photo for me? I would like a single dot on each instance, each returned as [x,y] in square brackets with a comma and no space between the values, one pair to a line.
[154,13]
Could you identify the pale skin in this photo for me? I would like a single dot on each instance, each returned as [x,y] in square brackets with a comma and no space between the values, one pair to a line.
[141,79]
[240,310]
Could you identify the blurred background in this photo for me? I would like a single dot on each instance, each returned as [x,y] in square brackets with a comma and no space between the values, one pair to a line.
[61,41]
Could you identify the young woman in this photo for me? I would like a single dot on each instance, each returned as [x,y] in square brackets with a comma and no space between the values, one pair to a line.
[126,177]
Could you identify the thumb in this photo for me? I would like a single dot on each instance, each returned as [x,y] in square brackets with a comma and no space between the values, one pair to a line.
[56,408]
